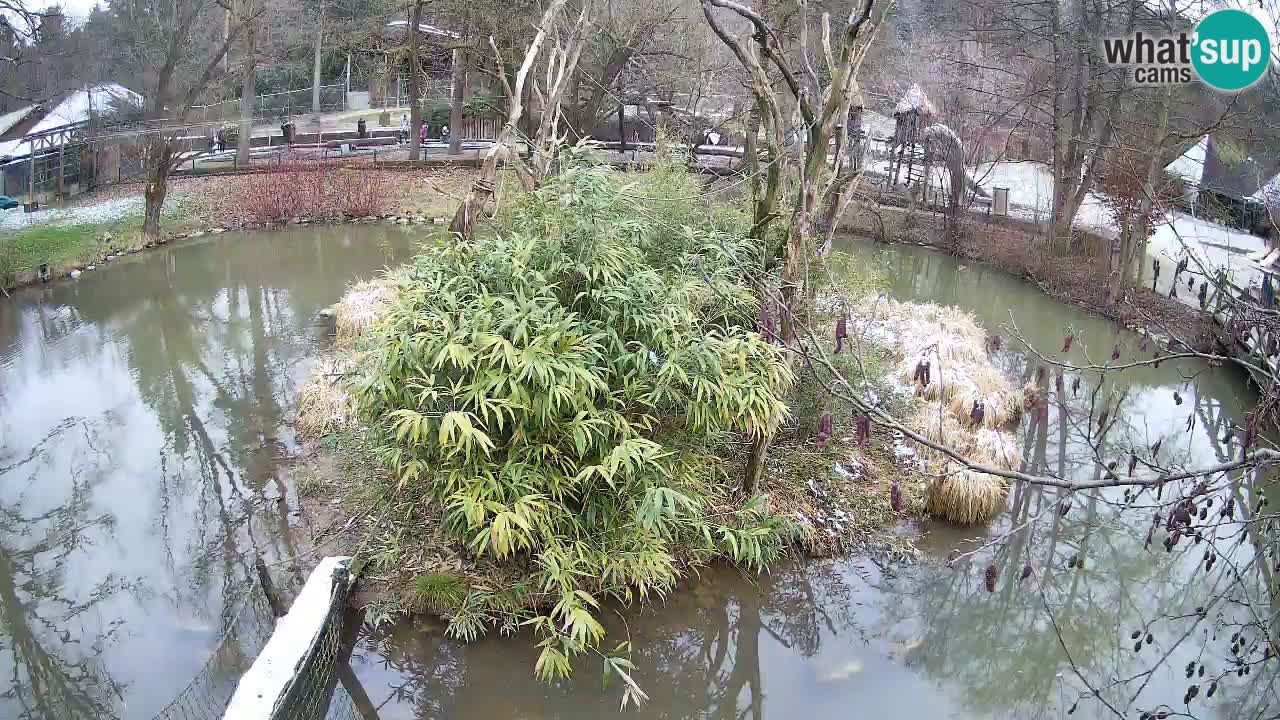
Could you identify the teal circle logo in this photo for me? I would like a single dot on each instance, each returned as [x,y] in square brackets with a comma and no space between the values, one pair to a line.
[1231,50]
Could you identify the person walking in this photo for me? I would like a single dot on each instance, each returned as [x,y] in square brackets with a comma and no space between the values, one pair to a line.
[404,128]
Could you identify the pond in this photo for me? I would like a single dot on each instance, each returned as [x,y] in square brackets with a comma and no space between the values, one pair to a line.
[144,428]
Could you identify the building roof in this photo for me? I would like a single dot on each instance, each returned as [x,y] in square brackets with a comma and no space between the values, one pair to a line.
[1269,193]
[426,29]
[1229,169]
[10,119]
[1225,166]
[101,99]
[1189,166]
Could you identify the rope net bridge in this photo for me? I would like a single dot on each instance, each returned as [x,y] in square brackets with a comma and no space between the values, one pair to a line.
[301,670]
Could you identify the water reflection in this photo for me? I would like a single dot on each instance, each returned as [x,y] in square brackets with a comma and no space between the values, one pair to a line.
[835,639]
[142,413]
[725,646]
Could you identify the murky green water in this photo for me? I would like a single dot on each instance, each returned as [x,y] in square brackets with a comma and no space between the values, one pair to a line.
[143,419]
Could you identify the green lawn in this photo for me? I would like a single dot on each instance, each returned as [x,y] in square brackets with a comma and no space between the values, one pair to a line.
[61,246]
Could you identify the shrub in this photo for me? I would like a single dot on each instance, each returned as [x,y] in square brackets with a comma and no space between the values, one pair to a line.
[562,386]
[311,190]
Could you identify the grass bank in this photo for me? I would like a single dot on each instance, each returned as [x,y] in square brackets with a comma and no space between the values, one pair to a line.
[64,247]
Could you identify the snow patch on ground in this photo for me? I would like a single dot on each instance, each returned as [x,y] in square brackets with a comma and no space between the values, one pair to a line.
[1030,186]
[1208,245]
[106,211]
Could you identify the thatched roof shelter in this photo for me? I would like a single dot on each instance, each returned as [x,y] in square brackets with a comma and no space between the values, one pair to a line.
[914,102]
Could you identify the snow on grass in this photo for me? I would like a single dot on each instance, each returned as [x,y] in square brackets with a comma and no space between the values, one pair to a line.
[107,211]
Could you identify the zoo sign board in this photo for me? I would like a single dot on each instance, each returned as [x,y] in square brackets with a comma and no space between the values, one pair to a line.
[1229,51]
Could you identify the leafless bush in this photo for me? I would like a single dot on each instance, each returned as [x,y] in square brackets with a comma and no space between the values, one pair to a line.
[313,191]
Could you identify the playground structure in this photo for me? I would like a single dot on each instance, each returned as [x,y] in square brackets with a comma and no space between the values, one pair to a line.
[911,115]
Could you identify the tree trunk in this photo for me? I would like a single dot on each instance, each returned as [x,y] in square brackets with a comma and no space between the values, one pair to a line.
[315,73]
[248,91]
[756,464]
[156,190]
[1064,214]
[226,33]
[1155,169]
[415,92]
[751,158]
[856,147]
[1118,272]
[456,102]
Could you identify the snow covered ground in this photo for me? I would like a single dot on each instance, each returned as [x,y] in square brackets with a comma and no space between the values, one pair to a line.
[1214,246]
[102,212]
[1030,186]
[1206,244]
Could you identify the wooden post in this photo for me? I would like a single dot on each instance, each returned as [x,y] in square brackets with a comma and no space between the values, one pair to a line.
[622,128]
[31,181]
[62,170]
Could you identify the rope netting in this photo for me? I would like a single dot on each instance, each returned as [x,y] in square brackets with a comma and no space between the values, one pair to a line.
[243,637]
[293,668]
[315,692]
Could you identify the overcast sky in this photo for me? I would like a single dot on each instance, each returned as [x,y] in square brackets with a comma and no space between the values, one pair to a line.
[77,8]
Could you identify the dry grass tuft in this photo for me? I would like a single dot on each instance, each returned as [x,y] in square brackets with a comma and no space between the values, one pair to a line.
[1032,395]
[996,448]
[984,383]
[965,497]
[363,304]
[324,404]
[961,375]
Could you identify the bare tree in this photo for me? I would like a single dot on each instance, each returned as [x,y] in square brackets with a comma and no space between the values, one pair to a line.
[248,80]
[415,79]
[821,105]
[315,73]
[174,47]
[566,35]
[457,97]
